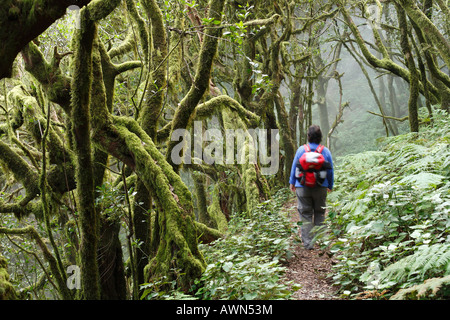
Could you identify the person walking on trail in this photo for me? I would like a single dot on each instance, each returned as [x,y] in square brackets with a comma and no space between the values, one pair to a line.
[312,176]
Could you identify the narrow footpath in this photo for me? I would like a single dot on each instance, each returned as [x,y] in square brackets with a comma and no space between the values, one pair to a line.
[309,268]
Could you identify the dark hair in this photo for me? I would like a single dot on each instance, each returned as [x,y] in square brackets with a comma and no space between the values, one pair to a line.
[314,134]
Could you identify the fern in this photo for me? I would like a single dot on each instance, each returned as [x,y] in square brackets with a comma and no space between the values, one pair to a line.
[363,161]
[363,166]
[427,260]
[407,153]
[433,161]
[393,205]
[423,180]
[435,288]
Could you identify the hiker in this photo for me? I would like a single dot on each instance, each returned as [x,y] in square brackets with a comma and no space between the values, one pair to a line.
[311,185]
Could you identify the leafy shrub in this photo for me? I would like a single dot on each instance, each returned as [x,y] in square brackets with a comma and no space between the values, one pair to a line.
[426,262]
[390,211]
[246,264]
[163,289]
[435,288]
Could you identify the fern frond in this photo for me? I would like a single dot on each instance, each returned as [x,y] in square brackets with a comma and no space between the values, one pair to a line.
[403,155]
[435,288]
[443,261]
[364,160]
[433,161]
[440,257]
[434,259]
[423,180]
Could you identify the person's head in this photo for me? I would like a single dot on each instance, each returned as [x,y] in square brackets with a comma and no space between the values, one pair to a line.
[314,134]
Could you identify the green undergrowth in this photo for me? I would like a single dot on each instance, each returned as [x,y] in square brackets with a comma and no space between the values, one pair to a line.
[248,262]
[389,216]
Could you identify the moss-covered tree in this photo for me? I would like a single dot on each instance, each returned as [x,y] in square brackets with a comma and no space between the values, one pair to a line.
[22,21]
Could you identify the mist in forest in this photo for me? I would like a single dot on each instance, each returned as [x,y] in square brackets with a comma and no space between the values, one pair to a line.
[359,130]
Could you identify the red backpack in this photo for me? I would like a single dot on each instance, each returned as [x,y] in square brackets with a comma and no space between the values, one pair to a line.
[311,169]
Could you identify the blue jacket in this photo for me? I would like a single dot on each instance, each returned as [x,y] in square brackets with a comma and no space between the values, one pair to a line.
[326,154]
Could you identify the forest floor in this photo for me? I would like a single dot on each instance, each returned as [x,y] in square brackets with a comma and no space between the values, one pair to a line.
[309,268]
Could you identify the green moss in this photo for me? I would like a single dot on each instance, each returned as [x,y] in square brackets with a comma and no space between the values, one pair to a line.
[33,121]
[202,76]
[215,211]
[254,184]
[21,170]
[430,30]
[221,103]
[179,188]
[177,234]
[154,99]
[380,63]
[175,58]
[98,110]
[127,45]
[55,84]
[22,209]
[7,291]
[414,74]
[100,9]
[142,28]
[81,126]
[207,234]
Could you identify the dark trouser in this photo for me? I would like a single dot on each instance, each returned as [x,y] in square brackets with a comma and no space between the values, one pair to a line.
[311,207]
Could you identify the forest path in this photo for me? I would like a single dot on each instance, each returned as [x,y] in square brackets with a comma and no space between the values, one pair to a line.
[309,268]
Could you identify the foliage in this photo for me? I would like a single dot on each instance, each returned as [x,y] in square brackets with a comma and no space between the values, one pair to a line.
[247,262]
[435,288]
[426,261]
[111,201]
[163,289]
[389,215]
[115,81]
[6,289]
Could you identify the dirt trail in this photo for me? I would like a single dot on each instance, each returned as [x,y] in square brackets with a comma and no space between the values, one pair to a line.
[309,268]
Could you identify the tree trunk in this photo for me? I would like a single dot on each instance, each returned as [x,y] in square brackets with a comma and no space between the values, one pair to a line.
[322,84]
[429,29]
[110,262]
[385,63]
[7,291]
[414,74]
[81,129]
[81,94]
[23,21]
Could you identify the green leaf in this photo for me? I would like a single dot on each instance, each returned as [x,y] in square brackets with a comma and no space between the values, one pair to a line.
[227,266]
[363,185]
[250,296]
